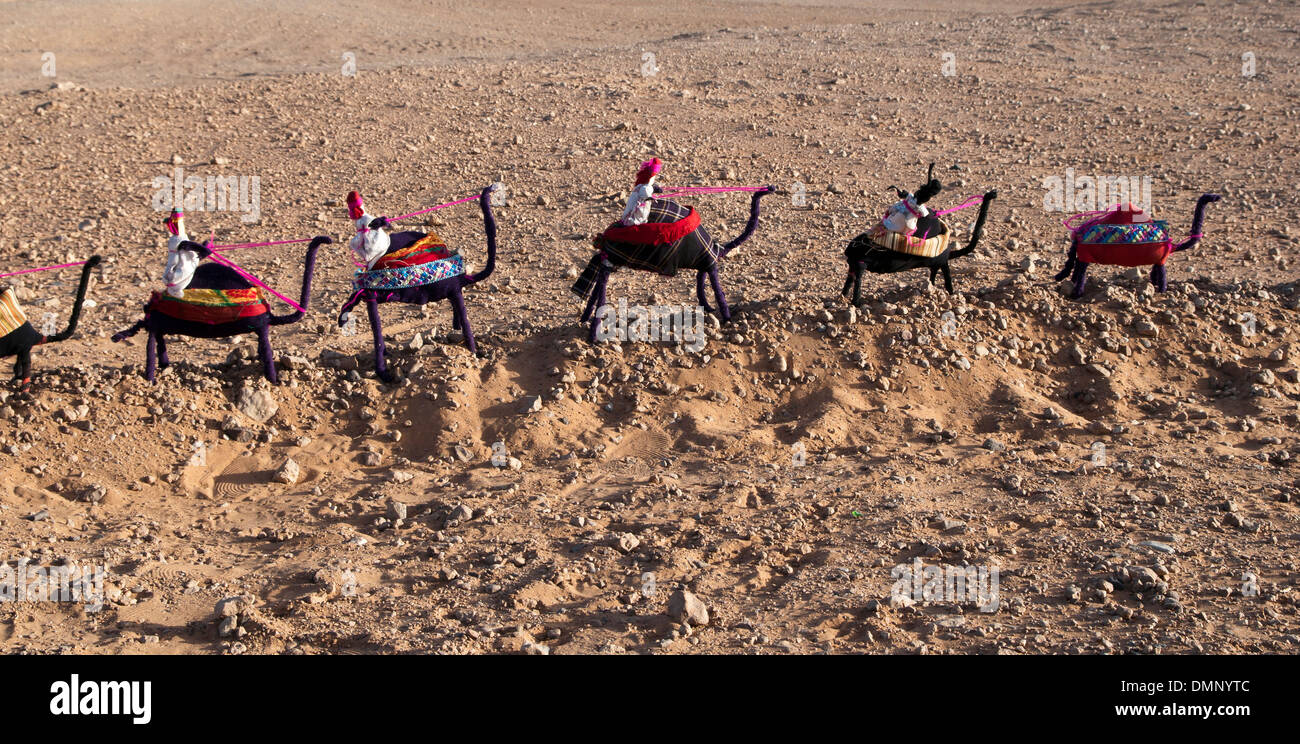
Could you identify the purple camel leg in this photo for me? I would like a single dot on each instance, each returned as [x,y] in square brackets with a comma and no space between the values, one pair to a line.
[723,310]
[151,357]
[591,306]
[599,293]
[163,360]
[268,357]
[1158,278]
[1080,277]
[462,318]
[1071,259]
[381,365]
[699,292]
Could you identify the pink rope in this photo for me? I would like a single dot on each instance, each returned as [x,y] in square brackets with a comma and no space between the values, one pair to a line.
[426,211]
[440,206]
[708,189]
[232,246]
[1096,215]
[43,268]
[970,202]
[227,262]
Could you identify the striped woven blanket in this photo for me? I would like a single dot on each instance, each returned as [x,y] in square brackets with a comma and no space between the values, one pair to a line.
[211,306]
[12,316]
[1156,231]
[913,246]
[404,277]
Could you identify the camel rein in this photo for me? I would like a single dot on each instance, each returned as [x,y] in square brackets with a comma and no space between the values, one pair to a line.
[43,268]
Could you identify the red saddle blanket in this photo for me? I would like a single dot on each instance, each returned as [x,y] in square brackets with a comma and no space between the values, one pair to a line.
[211,306]
[654,233]
[1125,254]
[1123,236]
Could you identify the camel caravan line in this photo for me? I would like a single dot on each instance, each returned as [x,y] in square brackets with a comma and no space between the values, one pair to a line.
[205,294]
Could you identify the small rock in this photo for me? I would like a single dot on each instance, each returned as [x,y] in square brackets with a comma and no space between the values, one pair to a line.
[257,405]
[684,607]
[288,473]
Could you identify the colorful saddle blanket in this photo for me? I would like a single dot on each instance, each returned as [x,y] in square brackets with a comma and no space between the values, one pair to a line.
[427,249]
[211,306]
[404,277]
[12,316]
[1136,244]
[913,246]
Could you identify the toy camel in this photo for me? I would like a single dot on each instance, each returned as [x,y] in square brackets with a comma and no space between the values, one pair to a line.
[19,337]
[911,236]
[659,235]
[414,268]
[211,300]
[1125,235]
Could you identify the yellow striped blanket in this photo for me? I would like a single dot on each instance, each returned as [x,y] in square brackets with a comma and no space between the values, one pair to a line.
[12,316]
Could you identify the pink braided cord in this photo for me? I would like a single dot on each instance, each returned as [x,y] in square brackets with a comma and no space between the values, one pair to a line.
[43,268]
[215,256]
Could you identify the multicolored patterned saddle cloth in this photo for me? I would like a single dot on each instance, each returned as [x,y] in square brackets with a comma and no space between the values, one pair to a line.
[913,246]
[1156,231]
[12,316]
[1135,244]
[427,249]
[211,306]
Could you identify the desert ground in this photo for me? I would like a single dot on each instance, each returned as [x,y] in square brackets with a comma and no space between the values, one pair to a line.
[1125,462]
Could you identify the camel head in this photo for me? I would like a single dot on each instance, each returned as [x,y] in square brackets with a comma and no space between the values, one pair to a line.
[902,216]
[371,241]
[181,262]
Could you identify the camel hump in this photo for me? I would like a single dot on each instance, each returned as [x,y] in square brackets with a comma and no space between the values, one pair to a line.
[217,276]
[667,210]
[405,239]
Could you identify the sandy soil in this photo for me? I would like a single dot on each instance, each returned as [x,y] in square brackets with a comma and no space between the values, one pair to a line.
[968,441]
